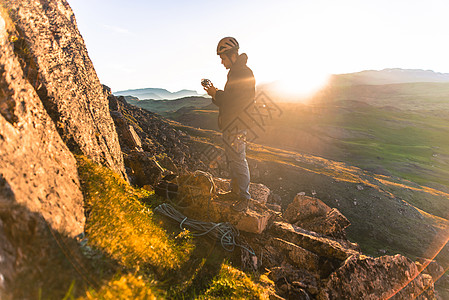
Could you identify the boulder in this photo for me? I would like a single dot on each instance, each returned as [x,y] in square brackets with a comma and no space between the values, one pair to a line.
[128,138]
[135,140]
[259,192]
[322,246]
[386,277]
[197,193]
[304,208]
[144,168]
[251,220]
[194,188]
[332,224]
[314,215]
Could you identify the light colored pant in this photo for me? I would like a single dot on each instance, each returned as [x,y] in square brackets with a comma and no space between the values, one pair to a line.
[235,150]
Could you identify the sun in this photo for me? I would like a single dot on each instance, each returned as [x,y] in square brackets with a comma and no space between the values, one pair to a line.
[302,84]
[297,87]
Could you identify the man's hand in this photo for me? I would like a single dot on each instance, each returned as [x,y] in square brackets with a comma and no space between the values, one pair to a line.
[211,90]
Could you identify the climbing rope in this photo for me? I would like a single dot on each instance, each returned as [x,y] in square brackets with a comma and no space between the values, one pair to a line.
[224,232]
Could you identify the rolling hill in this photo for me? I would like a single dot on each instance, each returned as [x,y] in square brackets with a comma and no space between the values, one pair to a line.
[156,94]
[165,106]
[388,76]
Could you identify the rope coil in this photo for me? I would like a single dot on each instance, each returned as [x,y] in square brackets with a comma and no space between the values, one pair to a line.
[224,232]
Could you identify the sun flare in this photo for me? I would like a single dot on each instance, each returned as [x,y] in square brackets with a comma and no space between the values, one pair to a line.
[302,84]
[297,87]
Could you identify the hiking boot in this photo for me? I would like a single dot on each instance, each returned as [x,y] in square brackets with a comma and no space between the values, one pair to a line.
[240,205]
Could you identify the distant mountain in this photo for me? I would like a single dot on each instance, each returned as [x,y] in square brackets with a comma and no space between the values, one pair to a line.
[163,106]
[413,81]
[156,94]
[131,98]
[185,93]
[388,76]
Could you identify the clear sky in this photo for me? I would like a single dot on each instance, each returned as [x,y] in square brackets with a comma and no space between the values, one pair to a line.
[171,44]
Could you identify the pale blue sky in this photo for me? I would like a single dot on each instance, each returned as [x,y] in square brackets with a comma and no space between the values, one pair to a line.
[171,44]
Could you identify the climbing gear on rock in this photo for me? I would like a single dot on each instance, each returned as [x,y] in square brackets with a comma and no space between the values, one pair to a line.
[224,232]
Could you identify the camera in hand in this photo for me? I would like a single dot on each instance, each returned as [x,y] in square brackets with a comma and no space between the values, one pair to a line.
[206,83]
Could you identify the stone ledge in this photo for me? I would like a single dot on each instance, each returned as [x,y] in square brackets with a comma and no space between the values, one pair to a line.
[301,257]
[252,220]
[198,194]
[311,241]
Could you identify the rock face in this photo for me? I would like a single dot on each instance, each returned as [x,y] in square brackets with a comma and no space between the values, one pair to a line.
[39,186]
[386,277]
[55,62]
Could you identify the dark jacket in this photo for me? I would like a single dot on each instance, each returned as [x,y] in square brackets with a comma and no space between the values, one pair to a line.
[238,94]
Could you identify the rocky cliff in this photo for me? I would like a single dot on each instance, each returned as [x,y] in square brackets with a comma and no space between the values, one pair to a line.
[51,105]
[54,60]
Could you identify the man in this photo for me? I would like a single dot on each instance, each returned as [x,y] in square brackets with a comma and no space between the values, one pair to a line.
[233,119]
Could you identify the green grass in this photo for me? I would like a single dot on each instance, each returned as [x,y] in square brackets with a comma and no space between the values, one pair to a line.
[121,226]
[231,283]
[127,287]
[154,259]
[402,142]
[396,140]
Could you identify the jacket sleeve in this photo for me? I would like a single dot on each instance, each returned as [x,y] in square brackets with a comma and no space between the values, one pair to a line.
[218,98]
[239,88]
